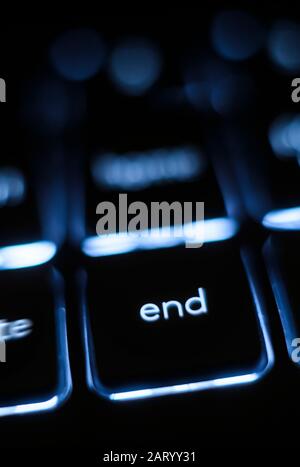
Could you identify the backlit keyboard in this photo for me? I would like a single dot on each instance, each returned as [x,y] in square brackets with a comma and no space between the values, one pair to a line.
[149,241]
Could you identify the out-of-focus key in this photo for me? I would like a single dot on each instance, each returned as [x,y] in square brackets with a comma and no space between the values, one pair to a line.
[163,166]
[267,169]
[34,367]
[282,258]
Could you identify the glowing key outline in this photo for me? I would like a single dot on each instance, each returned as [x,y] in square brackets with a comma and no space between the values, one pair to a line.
[220,381]
[65,385]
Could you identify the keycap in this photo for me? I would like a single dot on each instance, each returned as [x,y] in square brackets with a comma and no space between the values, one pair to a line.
[171,321]
[149,152]
[32,200]
[34,366]
[169,164]
[30,228]
[281,252]
[267,175]
[17,204]
[264,143]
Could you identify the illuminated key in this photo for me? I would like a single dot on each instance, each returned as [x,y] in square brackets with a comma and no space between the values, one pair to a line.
[268,171]
[34,364]
[155,177]
[179,324]
[24,241]
[31,187]
[265,144]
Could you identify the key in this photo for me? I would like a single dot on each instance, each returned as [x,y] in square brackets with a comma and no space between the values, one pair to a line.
[31,176]
[170,164]
[28,237]
[281,253]
[179,322]
[34,367]
[264,143]
[146,152]
[268,179]
[17,202]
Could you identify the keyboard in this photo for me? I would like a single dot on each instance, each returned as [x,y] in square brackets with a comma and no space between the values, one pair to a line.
[149,241]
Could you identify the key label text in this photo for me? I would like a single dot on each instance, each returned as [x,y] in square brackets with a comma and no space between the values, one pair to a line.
[15,329]
[193,306]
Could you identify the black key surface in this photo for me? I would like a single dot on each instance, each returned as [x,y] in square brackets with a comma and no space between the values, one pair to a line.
[139,345]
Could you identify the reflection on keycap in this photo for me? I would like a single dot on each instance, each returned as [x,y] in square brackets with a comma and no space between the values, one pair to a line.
[12,186]
[212,84]
[284,136]
[134,171]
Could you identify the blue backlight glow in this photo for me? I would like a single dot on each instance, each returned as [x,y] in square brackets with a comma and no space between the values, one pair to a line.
[78,54]
[26,255]
[182,388]
[29,408]
[284,136]
[236,35]
[134,171]
[135,65]
[64,387]
[283,219]
[12,186]
[211,230]
[284,45]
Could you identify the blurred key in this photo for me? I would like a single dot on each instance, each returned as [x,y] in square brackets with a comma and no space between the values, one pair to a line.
[20,212]
[180,324]
[282,256]
[267,171]
[265,142]
[151,157]
[34,368]
[31,167]
[128,144]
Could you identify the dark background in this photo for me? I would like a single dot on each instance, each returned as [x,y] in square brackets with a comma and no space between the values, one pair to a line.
[260,415]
